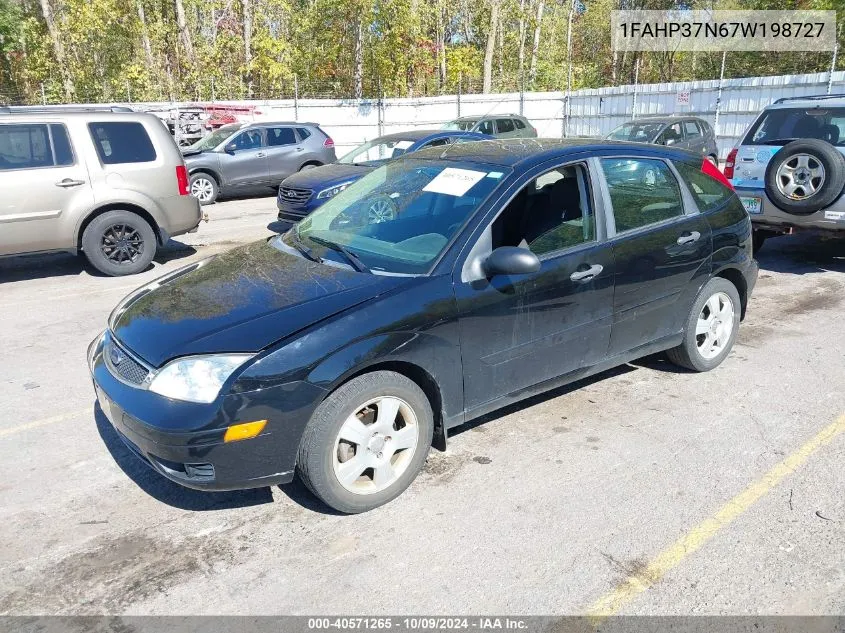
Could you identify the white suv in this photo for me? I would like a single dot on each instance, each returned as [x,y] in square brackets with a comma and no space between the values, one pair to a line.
[789,168]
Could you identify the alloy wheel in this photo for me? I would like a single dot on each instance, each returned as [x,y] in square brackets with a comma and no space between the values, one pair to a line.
[375,445]
[800,176]
[122,244]
[714,326]
[380,211]
[202,189]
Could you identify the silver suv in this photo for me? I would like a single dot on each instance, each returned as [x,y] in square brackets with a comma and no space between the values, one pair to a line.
[111,184]
[498,125]
[789,167]
[250,157]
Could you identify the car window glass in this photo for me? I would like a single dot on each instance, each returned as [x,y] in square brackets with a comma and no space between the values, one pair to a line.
[519,124]
[304,132]
[671,135]
[122,142]
[61,145]
[24,147]
[708,192]
[486,127]
[436,142]
[779,126]
[691,129]
[280,136]
[550,213]
[250,139]
[504,125]
[642,192]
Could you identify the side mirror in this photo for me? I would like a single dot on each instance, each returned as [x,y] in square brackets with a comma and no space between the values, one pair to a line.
[510,260]
[230,148]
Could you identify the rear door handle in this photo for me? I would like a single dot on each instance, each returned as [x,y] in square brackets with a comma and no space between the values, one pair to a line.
[300,149]
[689,237]
[586,274]
[261,155]
[69,182]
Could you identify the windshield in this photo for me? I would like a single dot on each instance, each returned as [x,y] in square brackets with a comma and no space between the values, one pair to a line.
[210,141]
[638,132]
[400,217]
[464,125]
[377,151]
[779,126]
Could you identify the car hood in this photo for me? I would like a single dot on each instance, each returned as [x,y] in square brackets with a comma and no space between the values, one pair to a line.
[326,176]
[241,301]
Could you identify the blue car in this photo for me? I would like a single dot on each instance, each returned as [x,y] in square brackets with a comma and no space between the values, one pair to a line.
[306,190]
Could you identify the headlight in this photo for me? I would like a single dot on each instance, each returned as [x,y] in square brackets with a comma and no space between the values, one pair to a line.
[196,378]
[333,191]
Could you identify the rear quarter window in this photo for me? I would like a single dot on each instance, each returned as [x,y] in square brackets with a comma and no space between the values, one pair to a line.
[120,142]
[709,193]
[304,132]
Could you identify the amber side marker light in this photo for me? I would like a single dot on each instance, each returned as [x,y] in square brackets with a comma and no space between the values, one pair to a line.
[244,431]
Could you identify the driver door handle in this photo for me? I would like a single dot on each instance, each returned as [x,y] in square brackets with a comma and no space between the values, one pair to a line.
[689,237]
[586,274]
[261,154]
[69,182]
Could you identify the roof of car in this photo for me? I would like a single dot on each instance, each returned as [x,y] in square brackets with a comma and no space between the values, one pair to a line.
[511,151]
[418,135]
[663,118]
[811,101]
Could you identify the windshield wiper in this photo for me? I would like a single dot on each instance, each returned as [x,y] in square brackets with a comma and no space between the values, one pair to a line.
[351,257]
[300,246]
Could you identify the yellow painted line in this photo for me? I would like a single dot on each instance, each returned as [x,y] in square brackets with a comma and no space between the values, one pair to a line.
[698,536]
[45,422]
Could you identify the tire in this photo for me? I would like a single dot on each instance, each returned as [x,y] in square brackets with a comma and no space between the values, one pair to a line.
[135,239]
[323,452]
[805,176]
[713,159]
[690,354]
[203,186]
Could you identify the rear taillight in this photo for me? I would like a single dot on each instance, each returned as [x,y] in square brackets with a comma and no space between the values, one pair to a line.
[711,170]
[730,163]
[182,180]
[328,142]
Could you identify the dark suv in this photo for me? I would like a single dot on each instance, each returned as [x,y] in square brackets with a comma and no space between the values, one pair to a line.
[690,133]
[341,348]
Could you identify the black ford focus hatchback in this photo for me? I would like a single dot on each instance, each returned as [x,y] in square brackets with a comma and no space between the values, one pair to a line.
[342,349]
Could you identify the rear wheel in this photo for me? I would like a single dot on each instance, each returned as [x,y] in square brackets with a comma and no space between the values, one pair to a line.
[366,442]
[119,243]
[204,187]
[758,238]
[711,328]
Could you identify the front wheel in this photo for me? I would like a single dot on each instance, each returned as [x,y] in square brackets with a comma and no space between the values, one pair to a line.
[711,328]
[366,442]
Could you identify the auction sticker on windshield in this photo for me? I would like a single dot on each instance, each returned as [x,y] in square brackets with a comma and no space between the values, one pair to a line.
[454,182]
[753,205]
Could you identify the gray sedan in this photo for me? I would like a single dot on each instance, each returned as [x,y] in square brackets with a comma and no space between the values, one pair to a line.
[253,157]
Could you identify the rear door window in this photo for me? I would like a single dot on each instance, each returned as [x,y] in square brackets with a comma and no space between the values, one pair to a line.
[671,135]
[121,142]
[503,126]
[29,146]
[519,124]
[691,129]
[280,136]
[642,192]
[436,143]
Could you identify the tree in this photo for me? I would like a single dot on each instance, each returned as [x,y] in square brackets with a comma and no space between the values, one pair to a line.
[491,44]
[538,23]
[58,49]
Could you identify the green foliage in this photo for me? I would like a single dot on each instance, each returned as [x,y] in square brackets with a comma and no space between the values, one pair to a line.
[106,58]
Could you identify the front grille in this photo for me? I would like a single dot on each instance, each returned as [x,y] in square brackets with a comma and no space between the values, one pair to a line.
[292,195]
[122,365]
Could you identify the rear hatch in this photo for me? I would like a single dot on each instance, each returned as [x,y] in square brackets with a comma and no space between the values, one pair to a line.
[776,127]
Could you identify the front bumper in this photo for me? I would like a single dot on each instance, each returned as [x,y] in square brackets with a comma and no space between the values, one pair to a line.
[183,441]
[774,218]
[295,212]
